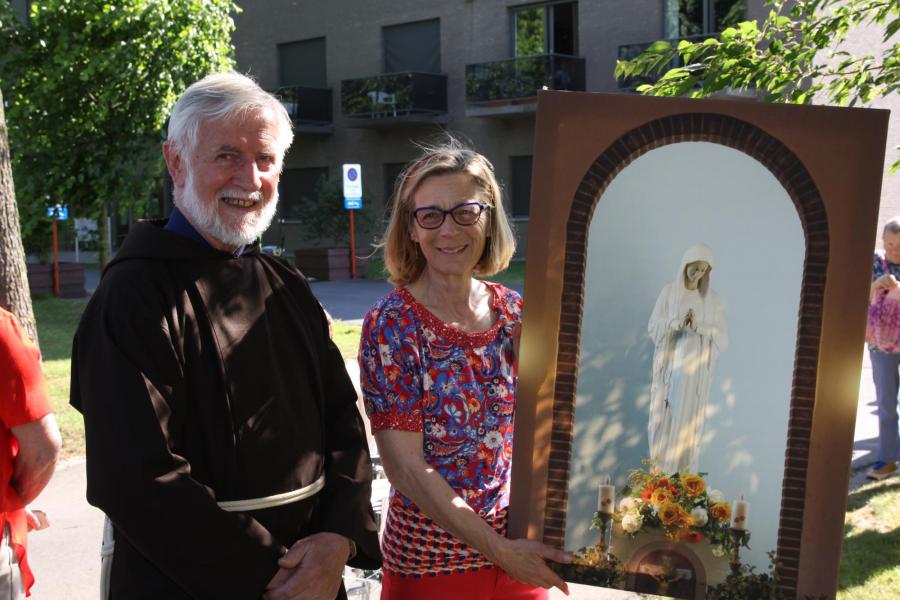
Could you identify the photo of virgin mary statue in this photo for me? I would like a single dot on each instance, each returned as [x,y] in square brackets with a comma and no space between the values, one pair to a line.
[688,329]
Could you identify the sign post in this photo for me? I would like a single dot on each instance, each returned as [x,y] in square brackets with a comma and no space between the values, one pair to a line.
[56,213]
[352,201]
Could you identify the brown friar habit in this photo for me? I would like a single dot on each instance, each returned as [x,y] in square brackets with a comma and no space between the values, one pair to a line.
[205,377]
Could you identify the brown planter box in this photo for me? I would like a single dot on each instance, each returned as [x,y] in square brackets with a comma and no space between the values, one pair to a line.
[40,278]
[327,263]
[71,279]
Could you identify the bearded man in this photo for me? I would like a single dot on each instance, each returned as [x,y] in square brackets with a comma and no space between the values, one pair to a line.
[223,439]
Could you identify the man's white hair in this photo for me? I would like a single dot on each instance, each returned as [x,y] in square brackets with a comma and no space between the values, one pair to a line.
[222,96]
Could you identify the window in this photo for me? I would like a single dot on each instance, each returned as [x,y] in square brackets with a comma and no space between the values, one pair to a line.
[391,173]
[699,17]
[546,29]
[21,8]
[413,47]
[296,187]
[302,64]
[520,188]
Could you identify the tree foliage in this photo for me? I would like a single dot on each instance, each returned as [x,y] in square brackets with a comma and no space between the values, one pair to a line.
[794,56]
[322,218]
[89,85]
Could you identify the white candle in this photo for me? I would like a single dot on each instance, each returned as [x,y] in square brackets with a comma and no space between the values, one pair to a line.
[739,513]
[606,501]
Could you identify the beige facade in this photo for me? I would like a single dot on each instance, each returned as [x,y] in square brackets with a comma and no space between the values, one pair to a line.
[471,31]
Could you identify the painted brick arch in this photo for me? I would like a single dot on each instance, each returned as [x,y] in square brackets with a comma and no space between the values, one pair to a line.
[794,177]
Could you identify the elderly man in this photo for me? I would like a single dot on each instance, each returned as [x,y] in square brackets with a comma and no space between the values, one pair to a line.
[223,439]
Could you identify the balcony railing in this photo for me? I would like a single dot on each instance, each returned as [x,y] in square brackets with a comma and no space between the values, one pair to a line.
[520,78]
[631,51]
[307,106]
[395,96]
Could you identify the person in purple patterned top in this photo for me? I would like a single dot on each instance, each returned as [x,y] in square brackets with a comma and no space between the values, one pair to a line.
[438,369]
[886,365]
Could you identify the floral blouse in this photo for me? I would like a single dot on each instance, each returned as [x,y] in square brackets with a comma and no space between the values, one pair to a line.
[458,389]
[878,270]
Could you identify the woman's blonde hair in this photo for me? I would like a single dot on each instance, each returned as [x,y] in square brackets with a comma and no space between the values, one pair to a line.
[402,256]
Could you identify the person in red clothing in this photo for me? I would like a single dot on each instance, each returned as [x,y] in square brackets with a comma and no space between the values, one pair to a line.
[29,447]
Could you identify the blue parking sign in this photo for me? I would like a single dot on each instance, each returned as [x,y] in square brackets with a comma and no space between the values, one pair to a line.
[352,203]
[58,212]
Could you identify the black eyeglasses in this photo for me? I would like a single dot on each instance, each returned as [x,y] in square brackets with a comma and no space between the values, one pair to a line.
[432,217]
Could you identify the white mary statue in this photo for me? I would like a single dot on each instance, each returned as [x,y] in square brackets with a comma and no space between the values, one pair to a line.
[688,329]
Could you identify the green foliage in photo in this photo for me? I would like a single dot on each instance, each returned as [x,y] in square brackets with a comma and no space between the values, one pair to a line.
[89,85]
[793,56]
[323,220]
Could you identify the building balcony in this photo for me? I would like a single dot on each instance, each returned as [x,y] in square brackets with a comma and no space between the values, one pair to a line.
[309,108]
[507,88]
[631,51]
[395,100]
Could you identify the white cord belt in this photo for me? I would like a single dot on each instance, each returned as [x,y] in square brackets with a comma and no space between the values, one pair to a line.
[276,500]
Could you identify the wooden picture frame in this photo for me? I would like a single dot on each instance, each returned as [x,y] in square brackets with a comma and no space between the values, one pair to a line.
[829,161]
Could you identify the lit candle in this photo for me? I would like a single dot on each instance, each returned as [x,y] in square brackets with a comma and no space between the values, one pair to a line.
[606,501]
[739,512]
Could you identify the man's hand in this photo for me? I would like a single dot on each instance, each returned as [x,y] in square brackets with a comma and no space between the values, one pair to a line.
[311,569]
[525,561]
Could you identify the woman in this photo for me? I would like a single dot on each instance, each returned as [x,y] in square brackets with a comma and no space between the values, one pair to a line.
[688,329]
[438,369]
[886,359]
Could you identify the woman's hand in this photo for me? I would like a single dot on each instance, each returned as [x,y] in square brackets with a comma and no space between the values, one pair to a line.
[525,561]
[691,320]
[885,283]
[36,519]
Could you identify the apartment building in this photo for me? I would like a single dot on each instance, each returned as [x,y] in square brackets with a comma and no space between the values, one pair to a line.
[365,79]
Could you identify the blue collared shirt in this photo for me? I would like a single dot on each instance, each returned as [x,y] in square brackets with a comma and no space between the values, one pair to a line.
[179,224]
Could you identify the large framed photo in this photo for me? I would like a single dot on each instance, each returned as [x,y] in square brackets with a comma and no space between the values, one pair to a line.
[695,296]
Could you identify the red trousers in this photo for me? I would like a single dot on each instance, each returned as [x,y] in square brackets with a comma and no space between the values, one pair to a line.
[484,584]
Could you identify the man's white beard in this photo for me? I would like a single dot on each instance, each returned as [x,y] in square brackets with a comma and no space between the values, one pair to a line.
[205,215]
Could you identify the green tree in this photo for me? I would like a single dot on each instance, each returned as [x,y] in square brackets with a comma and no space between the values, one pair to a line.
[322,218]
[793,56]
[89,86]
[14,295]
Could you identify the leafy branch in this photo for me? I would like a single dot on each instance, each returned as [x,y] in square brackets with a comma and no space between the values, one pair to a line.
[793,56]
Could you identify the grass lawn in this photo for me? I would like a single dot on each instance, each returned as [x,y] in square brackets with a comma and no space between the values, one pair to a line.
[56,323]
[870,563]
[346,338]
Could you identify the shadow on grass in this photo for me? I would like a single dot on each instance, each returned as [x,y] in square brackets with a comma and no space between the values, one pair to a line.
[867,555]
[57,319]
[859,498]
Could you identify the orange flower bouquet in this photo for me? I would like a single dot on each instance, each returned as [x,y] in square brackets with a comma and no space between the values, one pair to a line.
[680,503]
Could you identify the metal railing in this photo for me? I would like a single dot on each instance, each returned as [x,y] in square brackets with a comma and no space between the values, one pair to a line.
[394,95]
[520,78]
[307,105]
